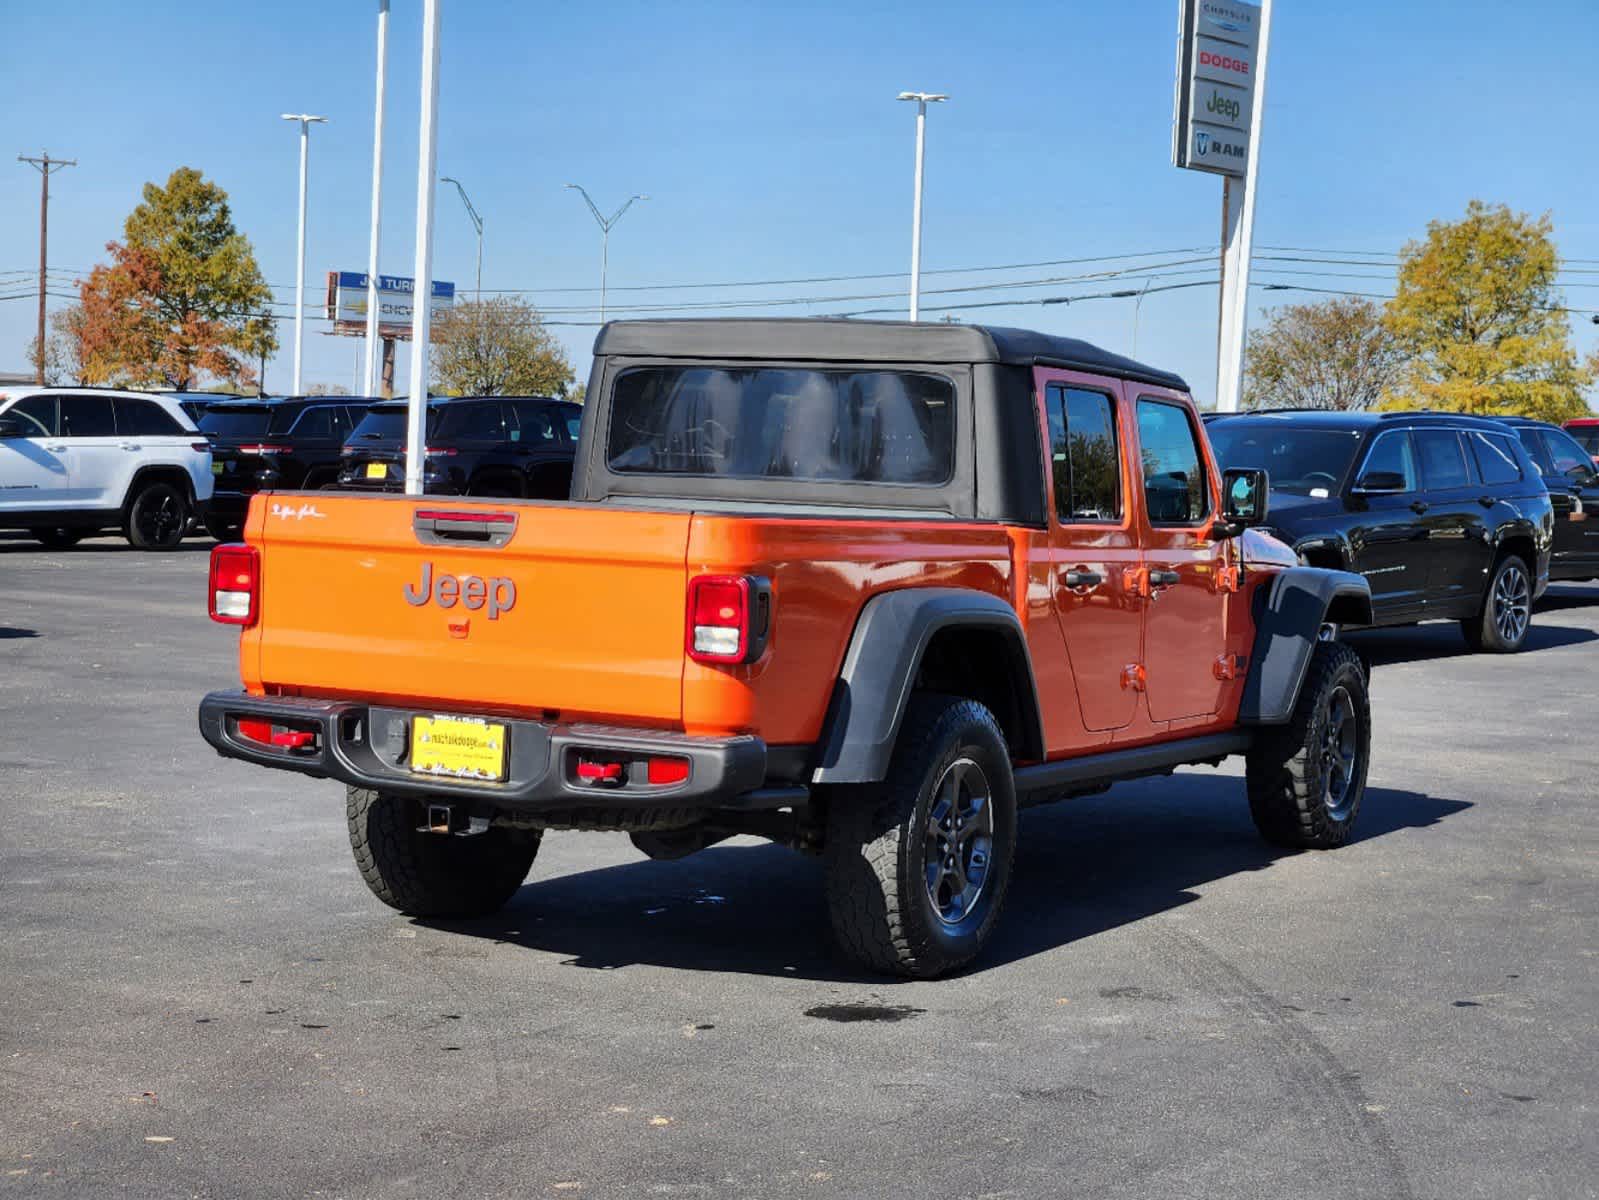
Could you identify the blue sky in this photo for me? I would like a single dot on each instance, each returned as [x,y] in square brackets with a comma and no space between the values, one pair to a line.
[772,148]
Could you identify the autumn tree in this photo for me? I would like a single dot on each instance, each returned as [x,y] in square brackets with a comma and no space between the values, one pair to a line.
[1335,354]
[1481,321]
[497,347]
[182,297]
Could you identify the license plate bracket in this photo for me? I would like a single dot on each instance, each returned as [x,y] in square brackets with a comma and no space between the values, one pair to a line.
[458,747]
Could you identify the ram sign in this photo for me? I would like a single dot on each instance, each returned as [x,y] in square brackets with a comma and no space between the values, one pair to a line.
[1217,43]
[396,302]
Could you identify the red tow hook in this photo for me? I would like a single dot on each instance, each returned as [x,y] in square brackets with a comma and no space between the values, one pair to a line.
[263,733]
[599,772]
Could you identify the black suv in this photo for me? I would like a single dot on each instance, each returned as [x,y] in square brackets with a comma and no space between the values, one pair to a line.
[283,444]
[1573,482]
[514,446]
[1446,516]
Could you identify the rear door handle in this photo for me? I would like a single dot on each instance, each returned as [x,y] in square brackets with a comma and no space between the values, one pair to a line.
[1164,578]
[1084,579]
[1419,506]
[132,446]
[1487,501]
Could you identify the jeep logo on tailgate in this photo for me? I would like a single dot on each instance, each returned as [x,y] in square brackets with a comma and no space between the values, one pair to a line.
[497,594]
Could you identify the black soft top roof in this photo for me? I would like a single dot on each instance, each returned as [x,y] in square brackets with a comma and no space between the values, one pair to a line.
[830,338]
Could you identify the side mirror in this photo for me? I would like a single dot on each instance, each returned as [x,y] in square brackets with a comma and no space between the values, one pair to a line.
[1245,496]
[1380,483]
[11,427]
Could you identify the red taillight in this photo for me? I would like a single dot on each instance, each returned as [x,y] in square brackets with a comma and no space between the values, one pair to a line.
[199,445]
[264,448]
[234,592]
[668,770]
[727,618]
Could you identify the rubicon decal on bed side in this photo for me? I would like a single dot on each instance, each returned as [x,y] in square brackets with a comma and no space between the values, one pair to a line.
[497,594]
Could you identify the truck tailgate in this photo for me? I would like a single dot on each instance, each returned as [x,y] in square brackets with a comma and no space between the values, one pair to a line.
[577,608]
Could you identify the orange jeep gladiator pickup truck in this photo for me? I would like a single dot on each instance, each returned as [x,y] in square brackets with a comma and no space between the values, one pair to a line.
[862,588]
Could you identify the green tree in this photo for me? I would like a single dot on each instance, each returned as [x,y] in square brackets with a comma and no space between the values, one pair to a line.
[1335,354]
[1482,322]
[183,296]
[497,347]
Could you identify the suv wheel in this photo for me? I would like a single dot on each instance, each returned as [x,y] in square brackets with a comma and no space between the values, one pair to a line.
[433,874]
[158,517]
[1306,779]
[917,869]
[57,539]
[1501,627]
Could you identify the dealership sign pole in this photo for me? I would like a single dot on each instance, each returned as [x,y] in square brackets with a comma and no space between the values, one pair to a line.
[427,166]
[1221,95]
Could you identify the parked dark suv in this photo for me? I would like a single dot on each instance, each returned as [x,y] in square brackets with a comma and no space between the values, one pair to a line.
[515,446]
[1573,482]
[286,444]
[1446,516]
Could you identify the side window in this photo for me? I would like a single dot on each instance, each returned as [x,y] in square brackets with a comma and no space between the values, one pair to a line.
[141,418]
[1536,450]
[87,416]
[315,423]
[1176,491]
[37,415]
[535,425]
[1082,452]
[1564,453]
[1443,459]
[1496,461]
[480,422]
[1392,454]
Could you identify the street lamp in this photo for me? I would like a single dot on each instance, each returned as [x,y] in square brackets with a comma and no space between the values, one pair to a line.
[923,99]
[605,235]
[306,120]
[477,223]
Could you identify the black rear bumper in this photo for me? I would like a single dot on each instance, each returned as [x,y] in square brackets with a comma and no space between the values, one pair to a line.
[368,746]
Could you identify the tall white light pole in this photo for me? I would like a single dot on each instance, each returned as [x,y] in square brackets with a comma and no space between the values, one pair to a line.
[477,224]
[422,298]
[369,377]
[923,99]
[306,120]
[605,224]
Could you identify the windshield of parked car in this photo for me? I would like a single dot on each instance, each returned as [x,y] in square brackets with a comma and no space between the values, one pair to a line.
[1305,462]
[1586,436]
[386,423]
[237,421]
[844,426]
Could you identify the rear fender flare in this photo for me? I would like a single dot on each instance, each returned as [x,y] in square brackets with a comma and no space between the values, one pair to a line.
[880,669]
[1289,614]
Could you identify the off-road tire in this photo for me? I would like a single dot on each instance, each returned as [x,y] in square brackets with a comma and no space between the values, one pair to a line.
[875,850]
[224,531]
[58,539]
[141,526]
[433,874]
[1290,774]
[1483,632]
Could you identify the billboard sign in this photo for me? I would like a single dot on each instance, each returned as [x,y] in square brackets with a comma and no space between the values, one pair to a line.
[396,302]
[1216,60]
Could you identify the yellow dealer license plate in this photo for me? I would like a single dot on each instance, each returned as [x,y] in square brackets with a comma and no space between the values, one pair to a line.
[377,470]
[462,747]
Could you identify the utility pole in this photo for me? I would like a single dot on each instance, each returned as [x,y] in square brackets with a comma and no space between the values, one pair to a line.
[605,224]
[922,100]
[46,166]
[477,224]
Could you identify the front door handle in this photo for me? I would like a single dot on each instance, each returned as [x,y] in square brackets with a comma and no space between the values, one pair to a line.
[1164,578]
[1084,579]
[56,449]
[1419,506]
[132,446]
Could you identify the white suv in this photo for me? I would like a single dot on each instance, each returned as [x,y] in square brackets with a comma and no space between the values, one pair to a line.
[74,461]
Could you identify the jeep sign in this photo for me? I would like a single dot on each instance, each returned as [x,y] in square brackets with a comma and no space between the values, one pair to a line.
[1217,42]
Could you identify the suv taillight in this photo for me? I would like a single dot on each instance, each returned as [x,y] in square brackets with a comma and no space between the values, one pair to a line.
[729,617]
[265,448]
[234,593]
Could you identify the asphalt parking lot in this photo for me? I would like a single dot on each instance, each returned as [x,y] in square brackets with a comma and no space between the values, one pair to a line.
[201,998]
